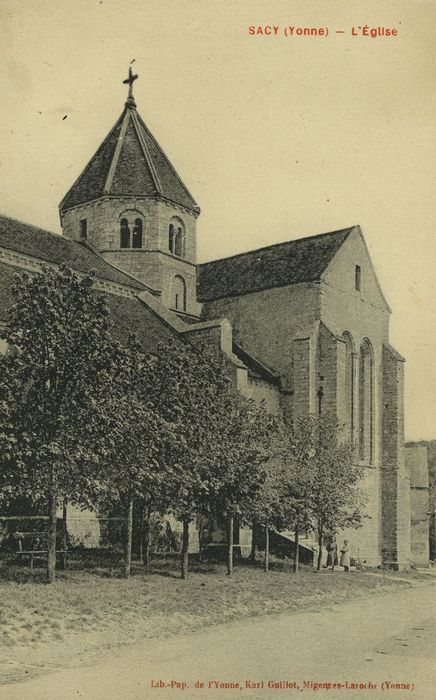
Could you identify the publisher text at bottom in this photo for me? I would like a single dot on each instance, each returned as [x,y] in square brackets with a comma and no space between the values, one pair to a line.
[308,685]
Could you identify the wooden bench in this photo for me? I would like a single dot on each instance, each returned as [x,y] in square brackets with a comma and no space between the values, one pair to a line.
[31,544]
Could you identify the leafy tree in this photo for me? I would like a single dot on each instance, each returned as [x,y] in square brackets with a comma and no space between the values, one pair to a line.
[297,471]
[242,453]
[53,426]
[267,508]
[336,500]
[185,387]
[138,444]
[326,488]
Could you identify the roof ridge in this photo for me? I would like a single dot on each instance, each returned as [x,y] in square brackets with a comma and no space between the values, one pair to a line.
[38,228]
[136,118]
[90,162]
[116,154]
[143,124]
[254,359]
[277,245]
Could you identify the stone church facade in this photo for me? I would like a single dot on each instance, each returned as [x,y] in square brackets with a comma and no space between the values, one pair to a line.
[303,325]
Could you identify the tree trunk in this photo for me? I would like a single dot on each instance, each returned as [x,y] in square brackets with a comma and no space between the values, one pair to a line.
[297,550]
[128,540]
[140,555]
[51,535]
[266,547]
[64,533]
[184,558]
[145,536]
[320,534]
[230,548]
[253,543]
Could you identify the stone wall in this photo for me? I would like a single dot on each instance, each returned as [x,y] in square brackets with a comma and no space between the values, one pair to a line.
[265,323]
[103,216]
[395,478]
[260,391]
[431,453]
[298,331]
[417,466]
[153,264]
[354,319]
[421,460]
[303,378]
[364,316]
[365,541]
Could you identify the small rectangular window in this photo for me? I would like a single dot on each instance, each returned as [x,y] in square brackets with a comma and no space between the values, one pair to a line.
[83,228]
[357,278]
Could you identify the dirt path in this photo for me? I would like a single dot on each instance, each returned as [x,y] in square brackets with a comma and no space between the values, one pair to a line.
[390,637]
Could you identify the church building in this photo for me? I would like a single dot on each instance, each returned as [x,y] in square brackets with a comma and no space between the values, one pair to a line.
[303,325]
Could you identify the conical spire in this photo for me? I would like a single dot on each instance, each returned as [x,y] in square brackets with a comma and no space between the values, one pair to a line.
[129,162]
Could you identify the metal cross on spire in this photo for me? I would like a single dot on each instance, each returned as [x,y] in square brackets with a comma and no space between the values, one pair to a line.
[129,81]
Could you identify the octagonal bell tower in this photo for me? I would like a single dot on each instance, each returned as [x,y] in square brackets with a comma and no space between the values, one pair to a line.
[130,205]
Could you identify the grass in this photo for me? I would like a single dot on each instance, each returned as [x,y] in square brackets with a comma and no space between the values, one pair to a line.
[91,601]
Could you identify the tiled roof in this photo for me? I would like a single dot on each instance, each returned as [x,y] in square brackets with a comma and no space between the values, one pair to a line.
[7,274]
[129,162]
[302,260]
[38,243]
[256,368]
[132,316]
[128,315]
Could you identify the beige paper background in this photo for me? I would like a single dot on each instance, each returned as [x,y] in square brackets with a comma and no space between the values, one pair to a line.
[276,138]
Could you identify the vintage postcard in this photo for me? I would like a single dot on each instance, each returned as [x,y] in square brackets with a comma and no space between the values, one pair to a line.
[217,386]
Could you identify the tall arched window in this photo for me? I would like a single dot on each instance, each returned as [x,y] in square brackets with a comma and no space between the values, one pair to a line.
[178,248]
[349,384]
[366,402]
[124,234]
[178,294]
[83,229]
[137,234]
[171,238]
[176,237]
[131,229]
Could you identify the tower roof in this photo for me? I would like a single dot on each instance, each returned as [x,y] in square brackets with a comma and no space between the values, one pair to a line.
[129,162]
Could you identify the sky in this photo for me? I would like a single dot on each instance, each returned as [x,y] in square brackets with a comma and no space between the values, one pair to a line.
[277,137]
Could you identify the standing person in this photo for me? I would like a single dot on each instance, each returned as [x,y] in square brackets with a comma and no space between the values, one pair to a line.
[345,556]
[332,554]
